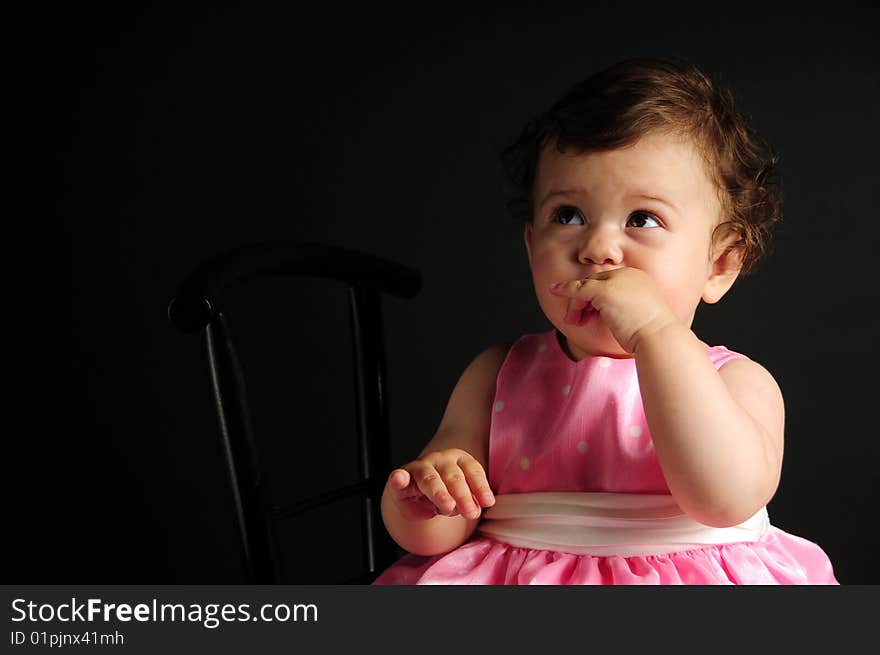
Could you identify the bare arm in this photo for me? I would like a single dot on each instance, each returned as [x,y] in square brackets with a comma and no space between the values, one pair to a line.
[718,434]
[450,471]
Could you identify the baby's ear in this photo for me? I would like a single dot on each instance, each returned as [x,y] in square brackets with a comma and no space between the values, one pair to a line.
[726,263]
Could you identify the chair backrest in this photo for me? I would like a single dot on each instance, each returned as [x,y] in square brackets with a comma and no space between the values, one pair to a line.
[197,307]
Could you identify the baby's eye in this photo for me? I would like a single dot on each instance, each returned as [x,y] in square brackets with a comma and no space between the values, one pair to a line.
[566,213]
[643,219]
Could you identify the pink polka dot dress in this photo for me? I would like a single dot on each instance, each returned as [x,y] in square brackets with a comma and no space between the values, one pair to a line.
[581,498]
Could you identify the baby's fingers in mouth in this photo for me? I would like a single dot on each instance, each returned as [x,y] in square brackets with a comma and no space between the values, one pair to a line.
[579,316]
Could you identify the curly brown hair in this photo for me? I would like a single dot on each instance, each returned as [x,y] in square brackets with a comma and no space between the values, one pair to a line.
[617,106]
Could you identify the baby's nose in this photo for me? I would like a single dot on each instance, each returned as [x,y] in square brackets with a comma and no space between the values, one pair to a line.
[603,249]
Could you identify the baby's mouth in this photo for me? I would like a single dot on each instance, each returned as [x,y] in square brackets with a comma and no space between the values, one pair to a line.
[586,314]
[583,316]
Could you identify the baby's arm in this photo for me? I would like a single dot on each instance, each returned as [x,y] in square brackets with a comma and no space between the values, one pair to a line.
[449,474]
[718,434]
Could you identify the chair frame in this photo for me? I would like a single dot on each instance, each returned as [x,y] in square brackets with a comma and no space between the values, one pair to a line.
[197,308]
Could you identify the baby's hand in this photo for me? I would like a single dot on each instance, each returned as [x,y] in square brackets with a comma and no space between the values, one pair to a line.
[628,300]
[448,482]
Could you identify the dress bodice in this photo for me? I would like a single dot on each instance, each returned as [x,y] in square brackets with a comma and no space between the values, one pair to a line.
[564,425]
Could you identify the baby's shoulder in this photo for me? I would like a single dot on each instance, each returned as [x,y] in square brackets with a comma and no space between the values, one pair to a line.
[485,366]
[737,370]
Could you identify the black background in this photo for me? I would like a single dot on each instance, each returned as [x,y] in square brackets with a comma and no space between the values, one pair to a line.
[144,140]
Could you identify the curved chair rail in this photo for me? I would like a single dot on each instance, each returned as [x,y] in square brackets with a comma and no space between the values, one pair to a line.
[196,301]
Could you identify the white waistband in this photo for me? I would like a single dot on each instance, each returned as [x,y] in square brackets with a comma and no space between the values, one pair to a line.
[605,523]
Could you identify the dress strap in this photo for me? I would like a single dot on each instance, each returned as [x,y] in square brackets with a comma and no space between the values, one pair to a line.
[605,523]
[720,355]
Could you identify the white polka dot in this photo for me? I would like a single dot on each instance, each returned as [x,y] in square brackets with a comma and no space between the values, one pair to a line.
[499,405]
[635,430]
[542,347]
[604,362]
[566,389]
[582,447]
[525,463]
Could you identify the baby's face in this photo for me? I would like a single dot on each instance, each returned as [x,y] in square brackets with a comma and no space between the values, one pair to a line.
[591,215]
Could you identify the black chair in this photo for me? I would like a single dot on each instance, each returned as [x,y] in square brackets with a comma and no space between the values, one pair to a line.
[198,307]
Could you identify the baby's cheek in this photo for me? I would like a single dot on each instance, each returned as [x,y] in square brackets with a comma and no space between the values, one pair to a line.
[554,307]
[681,296]
[544,260]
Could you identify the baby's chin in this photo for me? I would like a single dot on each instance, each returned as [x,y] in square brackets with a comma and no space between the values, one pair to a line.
[590,339]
